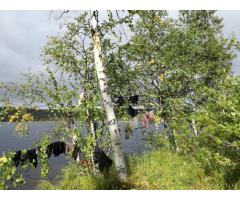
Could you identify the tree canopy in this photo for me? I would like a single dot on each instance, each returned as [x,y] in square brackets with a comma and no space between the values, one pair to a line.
[180,68]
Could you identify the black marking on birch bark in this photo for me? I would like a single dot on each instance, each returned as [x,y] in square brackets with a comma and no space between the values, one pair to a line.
[109,103]
[104,90]
[112,122]
[93,32]
[121,169]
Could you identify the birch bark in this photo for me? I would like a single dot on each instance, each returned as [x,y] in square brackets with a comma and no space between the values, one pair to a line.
[108,105]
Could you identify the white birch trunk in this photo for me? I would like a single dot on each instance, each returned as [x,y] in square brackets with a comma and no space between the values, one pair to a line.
[194,128]
[175,140]
[108,105]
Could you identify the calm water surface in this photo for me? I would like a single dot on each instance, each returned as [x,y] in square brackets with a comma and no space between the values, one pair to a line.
[10,141]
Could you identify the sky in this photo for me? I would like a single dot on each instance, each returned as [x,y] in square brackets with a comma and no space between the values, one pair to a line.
[24,33]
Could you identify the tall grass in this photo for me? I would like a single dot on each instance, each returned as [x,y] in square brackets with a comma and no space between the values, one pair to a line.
[155,170]
[163,170]
[76,177]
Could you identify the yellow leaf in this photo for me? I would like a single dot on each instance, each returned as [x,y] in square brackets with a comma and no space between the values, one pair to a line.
[27,117]
[3,159]
[13,118]
[157,119]
[161,77]
[157,18]
[152,61]
[138,65]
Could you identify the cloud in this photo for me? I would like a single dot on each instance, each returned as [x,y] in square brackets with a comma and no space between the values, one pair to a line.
[23,34]
[231,20]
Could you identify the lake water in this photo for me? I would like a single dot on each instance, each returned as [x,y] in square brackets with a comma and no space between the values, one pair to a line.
[10,141]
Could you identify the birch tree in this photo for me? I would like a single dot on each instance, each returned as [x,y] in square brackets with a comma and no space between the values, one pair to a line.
[107,102]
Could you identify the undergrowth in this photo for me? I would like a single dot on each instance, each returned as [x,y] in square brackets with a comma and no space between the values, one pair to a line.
[155,170]
[76,177]
[164,170]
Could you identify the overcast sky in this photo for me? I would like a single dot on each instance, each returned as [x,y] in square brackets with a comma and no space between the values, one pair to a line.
[23,34]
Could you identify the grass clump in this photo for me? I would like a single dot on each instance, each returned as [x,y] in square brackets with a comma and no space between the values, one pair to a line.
[163,170]
[76,177]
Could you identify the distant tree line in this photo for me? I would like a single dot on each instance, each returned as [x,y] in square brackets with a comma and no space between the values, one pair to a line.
[38,115]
